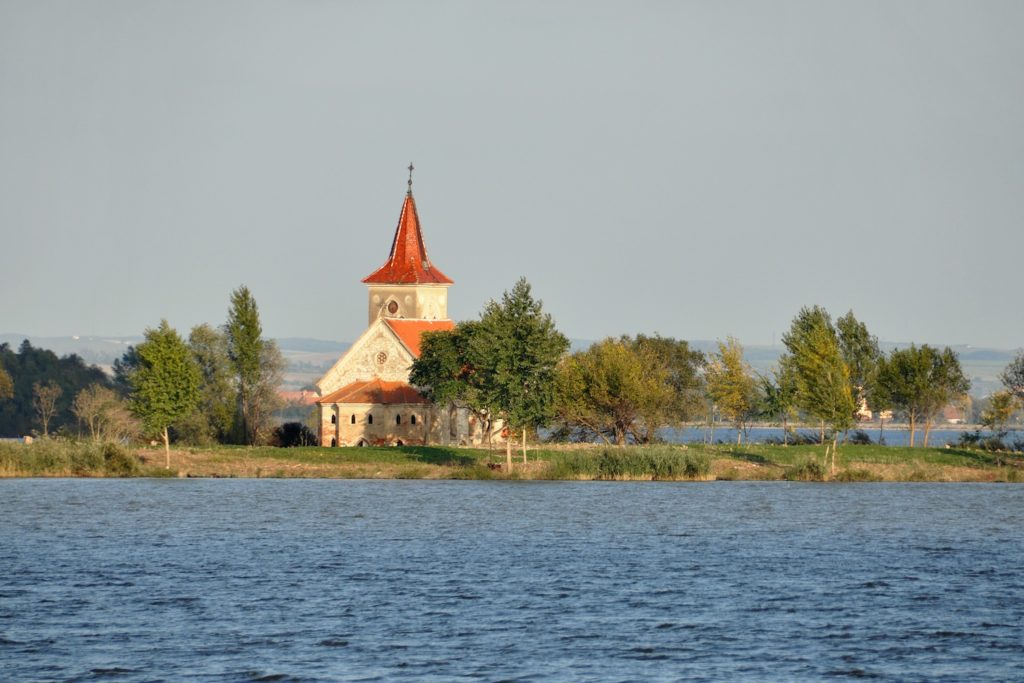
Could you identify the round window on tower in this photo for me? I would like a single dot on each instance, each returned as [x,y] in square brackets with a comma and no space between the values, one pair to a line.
[382,358]
[392,307]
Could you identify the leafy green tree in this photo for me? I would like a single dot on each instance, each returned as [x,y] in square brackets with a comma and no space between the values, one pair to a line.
[514,351]
[731,385]
[1013,377]
[123,368]
[609,391]
[778,399]
[165,383]
[683,371]
[920,381]
[214,415]
[821,378]
[257,365]
[861,354]
[1000,408]
[627,388]
[444,374]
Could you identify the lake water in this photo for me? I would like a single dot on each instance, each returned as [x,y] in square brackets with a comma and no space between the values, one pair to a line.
[262,580]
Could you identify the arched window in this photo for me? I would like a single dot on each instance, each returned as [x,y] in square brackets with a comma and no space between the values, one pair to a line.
[334,419]
[412,419]
[353,419]
[369,419]
[398,419]
[334,443]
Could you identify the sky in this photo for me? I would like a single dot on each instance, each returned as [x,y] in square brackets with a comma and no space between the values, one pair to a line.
[697,169]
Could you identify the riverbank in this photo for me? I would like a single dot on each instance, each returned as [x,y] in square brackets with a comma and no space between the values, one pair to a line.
[54,458]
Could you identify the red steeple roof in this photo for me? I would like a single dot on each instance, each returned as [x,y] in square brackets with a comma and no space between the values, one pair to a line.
[408,263]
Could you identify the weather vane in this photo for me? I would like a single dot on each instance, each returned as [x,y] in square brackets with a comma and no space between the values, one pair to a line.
[411,169]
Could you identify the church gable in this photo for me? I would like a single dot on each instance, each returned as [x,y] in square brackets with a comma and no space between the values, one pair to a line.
[377,354]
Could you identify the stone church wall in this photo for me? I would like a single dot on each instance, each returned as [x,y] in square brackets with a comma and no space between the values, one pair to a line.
[350,425]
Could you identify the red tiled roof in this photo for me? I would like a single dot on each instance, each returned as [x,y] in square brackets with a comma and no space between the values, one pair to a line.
[408,263]
[375,391]
[410,331]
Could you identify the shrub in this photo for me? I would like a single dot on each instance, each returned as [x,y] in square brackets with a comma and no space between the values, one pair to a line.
[859,438]
[698,466]
[857,475]
[119,461]
[659,463]
[808,470]
[292,434]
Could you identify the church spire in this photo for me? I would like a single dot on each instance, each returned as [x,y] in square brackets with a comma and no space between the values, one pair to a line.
[408,263]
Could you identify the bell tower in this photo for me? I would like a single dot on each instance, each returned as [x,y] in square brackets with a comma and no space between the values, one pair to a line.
[408,285]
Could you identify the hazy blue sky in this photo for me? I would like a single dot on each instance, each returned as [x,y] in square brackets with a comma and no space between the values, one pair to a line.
[701,169]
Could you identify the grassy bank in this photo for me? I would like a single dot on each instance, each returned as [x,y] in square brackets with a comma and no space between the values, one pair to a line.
[58,458]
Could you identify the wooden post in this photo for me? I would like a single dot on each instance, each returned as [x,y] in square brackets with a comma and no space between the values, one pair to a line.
[167,449]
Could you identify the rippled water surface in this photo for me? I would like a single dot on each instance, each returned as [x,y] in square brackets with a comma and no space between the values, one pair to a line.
[224,580]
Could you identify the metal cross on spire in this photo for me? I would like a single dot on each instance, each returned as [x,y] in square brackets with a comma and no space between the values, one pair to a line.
[411,169]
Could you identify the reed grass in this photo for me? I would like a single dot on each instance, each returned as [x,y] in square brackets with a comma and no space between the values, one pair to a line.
[66,458]
[653,463]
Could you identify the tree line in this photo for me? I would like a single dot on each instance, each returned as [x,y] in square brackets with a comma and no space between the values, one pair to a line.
[511,365]
[512,369]
[220,385]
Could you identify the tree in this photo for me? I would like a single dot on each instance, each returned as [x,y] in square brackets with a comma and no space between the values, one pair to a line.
[608,390]
[514,351]
[919,382]
[28,366]
[214,416]
[257,366]
[682,367]
[244,339]
[861,354]
[1000,408]
[731,386]
[104,413]
[1013,376]
[821,378]
[6,385]
[264,397]
[444,373]
[627,388]
[44,399]
[778,399]
[165,383]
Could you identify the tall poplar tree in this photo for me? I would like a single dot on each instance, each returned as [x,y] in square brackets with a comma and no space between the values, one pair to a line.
[257,365]
[165,382]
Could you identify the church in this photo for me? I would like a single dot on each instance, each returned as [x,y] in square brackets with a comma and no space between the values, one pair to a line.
[366,398]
